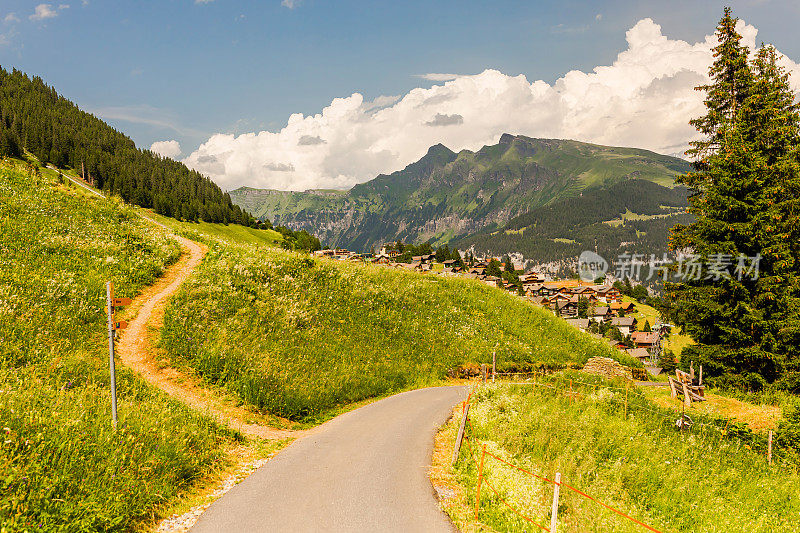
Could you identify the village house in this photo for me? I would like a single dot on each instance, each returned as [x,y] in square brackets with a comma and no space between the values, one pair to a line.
[625,307]
[608,294]
[532,277]
[534,289]
[564,307]
[579,323]
[600,314]
[537,300]
[477,270]
[492,281]
[642,355]
[644,339]
[424,259]
[387,252]
[626,325]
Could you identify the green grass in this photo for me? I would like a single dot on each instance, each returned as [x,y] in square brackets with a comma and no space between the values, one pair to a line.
[63,467]
[298,336]
[227,232]
[639,464]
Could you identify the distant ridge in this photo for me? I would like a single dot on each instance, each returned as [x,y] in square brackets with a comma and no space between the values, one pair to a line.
[446,196]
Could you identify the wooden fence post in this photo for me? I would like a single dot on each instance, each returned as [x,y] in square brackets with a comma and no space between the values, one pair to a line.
[494,365]
[769,448]
[480,480]
[460,436]
[687,400]
[673,392]
[554,509]
[483,372]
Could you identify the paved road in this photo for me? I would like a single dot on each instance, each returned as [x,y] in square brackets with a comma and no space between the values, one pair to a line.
[365,470]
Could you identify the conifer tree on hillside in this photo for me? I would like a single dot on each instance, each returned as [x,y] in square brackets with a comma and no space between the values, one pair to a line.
[493,268]
[34,117]
[745,168]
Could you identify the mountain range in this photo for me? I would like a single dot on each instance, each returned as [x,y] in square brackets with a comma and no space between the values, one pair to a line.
[470,198]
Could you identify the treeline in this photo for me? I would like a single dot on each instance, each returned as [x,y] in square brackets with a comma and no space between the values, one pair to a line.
[562,230]
[595,205]
[408,251]
[34,117]
[298,240]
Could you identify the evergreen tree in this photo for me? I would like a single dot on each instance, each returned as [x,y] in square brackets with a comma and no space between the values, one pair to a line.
[493,268]
[583,307]
[509,264]
[667,362]
[646,326]
[745,171]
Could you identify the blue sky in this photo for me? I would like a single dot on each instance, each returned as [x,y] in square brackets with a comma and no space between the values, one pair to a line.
[185,70]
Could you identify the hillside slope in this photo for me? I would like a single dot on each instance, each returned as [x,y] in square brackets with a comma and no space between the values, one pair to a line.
[34,117]
[64,467]
[447,194]
[299,336]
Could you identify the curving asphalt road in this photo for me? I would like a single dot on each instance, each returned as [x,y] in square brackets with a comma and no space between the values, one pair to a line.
[365,470]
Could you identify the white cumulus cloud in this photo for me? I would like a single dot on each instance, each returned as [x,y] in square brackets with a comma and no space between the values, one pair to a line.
[437,76]
[43,12]
[166,148]
[644,99]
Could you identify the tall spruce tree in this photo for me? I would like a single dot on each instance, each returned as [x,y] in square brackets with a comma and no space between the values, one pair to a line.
[743,170]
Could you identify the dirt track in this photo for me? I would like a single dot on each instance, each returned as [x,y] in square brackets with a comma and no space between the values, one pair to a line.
[136,349]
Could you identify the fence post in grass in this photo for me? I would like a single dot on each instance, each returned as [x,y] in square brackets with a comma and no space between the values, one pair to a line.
[460,436]
[554,510]
[687,400]
[769,448]
[110,311]
[494,365]
[480,480]
[483,372]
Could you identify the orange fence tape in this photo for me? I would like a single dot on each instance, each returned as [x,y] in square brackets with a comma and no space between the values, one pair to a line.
[512,508]
[542,478]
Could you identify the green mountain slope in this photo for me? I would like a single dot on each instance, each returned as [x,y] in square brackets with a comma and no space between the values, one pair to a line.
[446,195]
[34,117]
[632,215]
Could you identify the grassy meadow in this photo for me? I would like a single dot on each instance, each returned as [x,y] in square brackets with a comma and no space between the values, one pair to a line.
[63,467]
[707,479]
[225,232]
[298,336]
